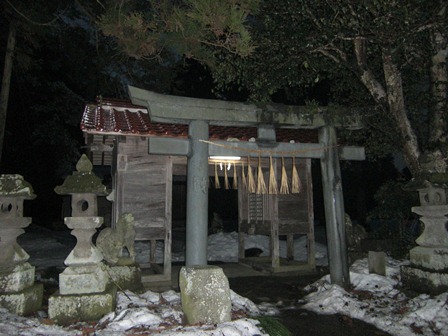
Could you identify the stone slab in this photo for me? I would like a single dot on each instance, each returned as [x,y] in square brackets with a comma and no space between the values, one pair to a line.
[24,302]
[126,277]
[424,281]
[432,258]
[434,233]
[66,309]
[84,222]
[17,279]
[205,294]
[83,280]
[91,255]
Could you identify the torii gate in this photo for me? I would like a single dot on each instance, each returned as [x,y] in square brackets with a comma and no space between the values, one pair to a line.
[200,113]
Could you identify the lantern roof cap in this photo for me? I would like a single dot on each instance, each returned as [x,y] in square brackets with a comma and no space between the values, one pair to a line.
[82,181]
[14,185]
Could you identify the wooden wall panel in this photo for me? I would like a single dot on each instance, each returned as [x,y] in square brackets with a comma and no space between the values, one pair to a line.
[145,188]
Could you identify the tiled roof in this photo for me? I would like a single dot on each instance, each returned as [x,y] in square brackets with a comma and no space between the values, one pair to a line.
[120,117]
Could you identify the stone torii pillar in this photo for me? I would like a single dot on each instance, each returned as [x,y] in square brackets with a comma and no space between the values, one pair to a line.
[334,208]
[197,195]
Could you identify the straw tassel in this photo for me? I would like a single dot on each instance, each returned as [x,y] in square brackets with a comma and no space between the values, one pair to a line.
[261,185]
[250,178]
[217,184]
[243,175]
[296,184]
[273,187]
[235,181]
[226,178]
[284,187]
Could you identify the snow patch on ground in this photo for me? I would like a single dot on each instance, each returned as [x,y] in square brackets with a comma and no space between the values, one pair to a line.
[160,313]
[377,300]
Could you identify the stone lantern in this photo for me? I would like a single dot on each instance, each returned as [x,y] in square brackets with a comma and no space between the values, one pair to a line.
[85,282]
[429,260]
[18,293]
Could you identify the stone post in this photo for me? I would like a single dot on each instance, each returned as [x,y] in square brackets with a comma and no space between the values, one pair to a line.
[428,271]
[18,292]
[197,195]
[205,294]
[85,292]
[334,208]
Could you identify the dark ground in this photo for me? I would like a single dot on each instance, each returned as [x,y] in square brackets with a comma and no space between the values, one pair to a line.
[288,292]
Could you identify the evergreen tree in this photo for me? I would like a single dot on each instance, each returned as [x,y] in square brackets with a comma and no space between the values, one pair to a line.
[390,55]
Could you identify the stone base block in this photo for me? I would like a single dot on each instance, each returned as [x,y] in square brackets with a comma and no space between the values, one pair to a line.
[25,301]
[66,309]
[424,281]
[126,277]
[17,278]
[433,258]
[205,294]
[83,280]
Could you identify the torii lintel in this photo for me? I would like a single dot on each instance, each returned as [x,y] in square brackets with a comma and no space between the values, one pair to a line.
[183,110]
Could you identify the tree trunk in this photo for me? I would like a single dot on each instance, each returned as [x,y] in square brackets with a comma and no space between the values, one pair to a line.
[391,99]
[439,81]
[366,75]
[439,86]
[6,82]
[395,99]
[437,156]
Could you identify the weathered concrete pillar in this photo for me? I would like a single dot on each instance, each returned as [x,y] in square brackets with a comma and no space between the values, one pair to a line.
[197,195]
[85,292]
[334,208]
[18,292]
[205,294]
[427,272]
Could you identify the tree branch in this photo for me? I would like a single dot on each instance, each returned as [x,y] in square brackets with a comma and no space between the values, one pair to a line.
[30,20]
[219,45]
[366,75]
[395,99]
[85,11]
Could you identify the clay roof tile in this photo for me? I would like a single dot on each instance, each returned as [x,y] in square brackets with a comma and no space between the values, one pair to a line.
[121,117]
